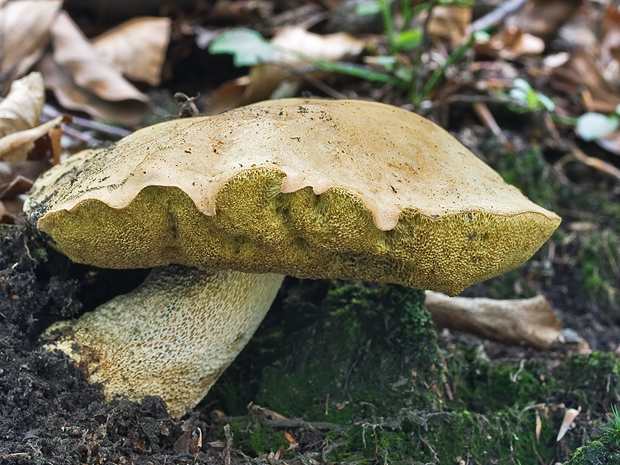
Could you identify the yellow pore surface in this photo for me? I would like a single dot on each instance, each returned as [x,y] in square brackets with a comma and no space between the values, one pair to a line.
[309,188]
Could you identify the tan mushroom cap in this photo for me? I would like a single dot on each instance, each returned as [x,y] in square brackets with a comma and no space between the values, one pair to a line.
[309,188]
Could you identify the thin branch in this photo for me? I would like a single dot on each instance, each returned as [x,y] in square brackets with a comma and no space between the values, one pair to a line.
[496,16]
[50,112]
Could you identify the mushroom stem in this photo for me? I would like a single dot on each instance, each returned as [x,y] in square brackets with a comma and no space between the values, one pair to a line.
[171,337]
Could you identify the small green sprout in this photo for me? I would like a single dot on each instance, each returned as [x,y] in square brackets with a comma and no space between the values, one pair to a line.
[532,100]
[612,428]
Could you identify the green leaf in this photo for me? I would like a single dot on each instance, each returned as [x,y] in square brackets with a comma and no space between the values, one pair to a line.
[409,39]
[545,102]
[370,8]
[591,126]
[359,71]
[522,84]
[248,47]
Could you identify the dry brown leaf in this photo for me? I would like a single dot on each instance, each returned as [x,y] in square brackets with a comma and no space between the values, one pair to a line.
[16,146]
[22,108]
[82,81]
[511,43]
[137,48]
[70,95]
[332,47]
[519,321]
[73,51]
[8,210]
[610,45]
[449,24]
[19,185]
[294,44]
[582,71]
[25,28]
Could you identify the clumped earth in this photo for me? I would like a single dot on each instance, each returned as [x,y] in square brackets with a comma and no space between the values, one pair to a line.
[338,372]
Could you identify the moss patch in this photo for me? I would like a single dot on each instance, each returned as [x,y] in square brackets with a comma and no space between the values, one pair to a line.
[372,349]
[358,374]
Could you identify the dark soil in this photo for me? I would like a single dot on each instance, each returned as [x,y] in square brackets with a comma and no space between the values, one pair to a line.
[49,413]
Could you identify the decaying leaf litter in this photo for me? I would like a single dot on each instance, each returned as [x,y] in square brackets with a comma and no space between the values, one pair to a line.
[528,86]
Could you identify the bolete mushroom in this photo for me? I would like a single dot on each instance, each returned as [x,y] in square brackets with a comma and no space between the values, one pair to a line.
[309,188]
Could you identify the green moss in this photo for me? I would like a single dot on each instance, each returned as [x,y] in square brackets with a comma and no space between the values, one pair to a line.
[596,452]
[592,381]
[362,361]
[264,439]
[485,387]
[599,258]
[372,352]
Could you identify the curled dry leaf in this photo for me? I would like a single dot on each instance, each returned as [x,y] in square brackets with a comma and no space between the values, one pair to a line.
[25,29]
[518,321]
[449,23]
[16,178]
[137,48]
[511,43]
[294,48]
[22,108]
[82,81]
[16,146]
[581,72]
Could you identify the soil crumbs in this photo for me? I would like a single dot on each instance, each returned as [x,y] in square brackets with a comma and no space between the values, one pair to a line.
[49,412]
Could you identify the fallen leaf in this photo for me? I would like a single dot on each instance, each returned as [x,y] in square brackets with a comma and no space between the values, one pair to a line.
[190,442]
[449,23]
[137,48]
[581,73]
[610,27]
[83,81]
[16,146]
[19,185]
[25,29]
[511,43]
[518,321]
[22,107]
[70,95]
[29,169]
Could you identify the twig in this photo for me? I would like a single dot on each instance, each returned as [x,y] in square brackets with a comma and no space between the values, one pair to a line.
[459,98]
[483,112]
[596,163]
[228,448]
[310,425]
[50,112]
[495,16]
[304,73]
[86,138]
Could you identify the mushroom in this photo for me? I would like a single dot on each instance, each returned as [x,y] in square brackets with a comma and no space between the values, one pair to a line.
[309,188]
